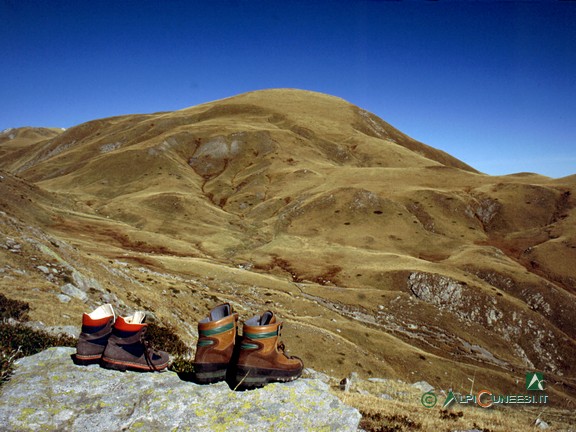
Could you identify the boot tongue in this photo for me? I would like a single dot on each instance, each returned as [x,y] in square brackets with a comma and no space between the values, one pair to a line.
[220,312]
[137,318]
[267,318]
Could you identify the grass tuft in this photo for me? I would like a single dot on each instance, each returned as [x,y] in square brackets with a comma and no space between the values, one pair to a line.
[166,339]
[15,309]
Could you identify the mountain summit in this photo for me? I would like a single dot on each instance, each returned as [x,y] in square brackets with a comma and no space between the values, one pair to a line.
[387,256]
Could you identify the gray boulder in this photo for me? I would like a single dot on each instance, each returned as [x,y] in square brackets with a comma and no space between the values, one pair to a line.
[48,392]
[423,386]
[72,291]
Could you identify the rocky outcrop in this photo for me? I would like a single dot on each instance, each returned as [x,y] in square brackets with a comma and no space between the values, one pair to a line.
[524,331]
[48,392]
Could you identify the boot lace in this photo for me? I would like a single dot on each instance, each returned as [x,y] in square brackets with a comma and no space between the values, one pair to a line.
[149,350]
[282,347]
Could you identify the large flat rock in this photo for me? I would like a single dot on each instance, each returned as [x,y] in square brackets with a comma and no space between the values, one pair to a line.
[48,392]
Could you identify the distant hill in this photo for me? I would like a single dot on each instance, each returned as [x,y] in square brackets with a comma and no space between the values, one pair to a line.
[383,255]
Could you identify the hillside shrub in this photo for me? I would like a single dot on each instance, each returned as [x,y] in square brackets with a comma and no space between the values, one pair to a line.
[166,339]
[17,340]
[15,309]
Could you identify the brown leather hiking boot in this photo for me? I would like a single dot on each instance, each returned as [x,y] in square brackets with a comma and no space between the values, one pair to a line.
[215,347]
[261,359]
[128,349]
[96,329]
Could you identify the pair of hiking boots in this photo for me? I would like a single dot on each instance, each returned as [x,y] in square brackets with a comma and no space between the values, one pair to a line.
[251,360]
[117,343]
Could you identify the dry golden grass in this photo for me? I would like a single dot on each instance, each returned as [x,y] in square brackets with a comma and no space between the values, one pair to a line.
[392,405]
[384,415]
[307,205]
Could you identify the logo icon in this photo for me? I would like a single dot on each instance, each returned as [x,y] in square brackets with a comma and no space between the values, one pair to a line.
[428,400]
[534,381]
[449,399]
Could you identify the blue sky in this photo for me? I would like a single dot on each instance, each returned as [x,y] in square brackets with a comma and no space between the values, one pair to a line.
[493,83]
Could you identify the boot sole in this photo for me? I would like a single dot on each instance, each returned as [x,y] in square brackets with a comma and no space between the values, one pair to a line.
[127,366]
[86,360]
[250,378]
[209,373]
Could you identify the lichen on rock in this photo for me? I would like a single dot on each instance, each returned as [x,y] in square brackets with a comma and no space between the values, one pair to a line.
[48,392]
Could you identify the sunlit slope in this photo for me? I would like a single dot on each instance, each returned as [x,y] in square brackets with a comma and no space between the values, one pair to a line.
[303,202]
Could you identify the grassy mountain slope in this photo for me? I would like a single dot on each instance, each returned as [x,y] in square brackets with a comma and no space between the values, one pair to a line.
[383,255]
